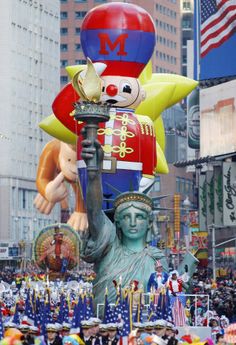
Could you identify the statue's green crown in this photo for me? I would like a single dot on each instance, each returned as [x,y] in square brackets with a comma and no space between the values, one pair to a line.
[91,108]
[133,197]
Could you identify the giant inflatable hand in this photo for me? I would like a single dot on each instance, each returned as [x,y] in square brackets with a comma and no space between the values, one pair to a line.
[57,166]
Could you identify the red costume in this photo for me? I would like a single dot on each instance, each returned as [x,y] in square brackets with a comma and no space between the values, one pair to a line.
[176,286]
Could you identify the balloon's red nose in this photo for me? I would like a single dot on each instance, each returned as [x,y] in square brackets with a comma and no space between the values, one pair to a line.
[112,90]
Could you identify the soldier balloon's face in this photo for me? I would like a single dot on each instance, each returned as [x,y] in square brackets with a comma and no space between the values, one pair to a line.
[123,92]
[133,222]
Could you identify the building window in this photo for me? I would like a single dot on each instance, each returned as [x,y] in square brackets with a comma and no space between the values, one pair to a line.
[157,184]
[184,70]
[64,31]
[64,63]
[179,185]
[80,0]
[186,5]
[77,46]
[184,41]
[80,62]
[64,47]
[186,24]
[64,15]
[80,14]
[77,31]
[63,1]
[64,79]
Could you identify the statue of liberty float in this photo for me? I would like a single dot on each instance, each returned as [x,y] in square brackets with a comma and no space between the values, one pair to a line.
[109,118]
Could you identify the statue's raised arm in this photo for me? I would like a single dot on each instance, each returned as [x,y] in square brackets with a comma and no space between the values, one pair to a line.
[100,229]
[94,193]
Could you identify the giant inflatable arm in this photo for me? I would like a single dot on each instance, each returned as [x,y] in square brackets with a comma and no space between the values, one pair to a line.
[57,165]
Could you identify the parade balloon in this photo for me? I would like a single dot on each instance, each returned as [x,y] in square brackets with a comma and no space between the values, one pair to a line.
[57,248]
[13,333]
[56,170]
[56,129]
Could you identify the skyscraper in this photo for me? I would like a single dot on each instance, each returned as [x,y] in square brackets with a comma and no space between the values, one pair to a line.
[187,8]
[29,61]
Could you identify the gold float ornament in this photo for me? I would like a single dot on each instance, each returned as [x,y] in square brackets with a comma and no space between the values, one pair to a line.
[88,86]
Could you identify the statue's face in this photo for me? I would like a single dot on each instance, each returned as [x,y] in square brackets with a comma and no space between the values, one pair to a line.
[123,92]
[134,222]
[67,160]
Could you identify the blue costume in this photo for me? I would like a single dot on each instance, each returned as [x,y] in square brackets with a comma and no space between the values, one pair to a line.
[156,279]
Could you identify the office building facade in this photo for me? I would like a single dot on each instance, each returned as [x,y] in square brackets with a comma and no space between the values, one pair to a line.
[30,69]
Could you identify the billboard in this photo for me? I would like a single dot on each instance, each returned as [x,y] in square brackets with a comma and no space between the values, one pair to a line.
[202,195]
[193,116]
[229,193]
[216,38]
[218,119]
[3,252]
[218,196]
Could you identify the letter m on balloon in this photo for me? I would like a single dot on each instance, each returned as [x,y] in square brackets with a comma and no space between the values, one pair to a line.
[106,43]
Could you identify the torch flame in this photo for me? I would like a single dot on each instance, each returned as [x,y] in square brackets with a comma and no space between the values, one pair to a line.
[88,88]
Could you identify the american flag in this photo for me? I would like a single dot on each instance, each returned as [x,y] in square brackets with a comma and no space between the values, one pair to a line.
[169,315]
[118,304]
[1,325]
[16,317]
[108,312]
[78,313]
[63,315]
[138,316]
[151,310]
[37,312]
[218,23]
[178,312]
[29,307]
[126,317]
[89,307]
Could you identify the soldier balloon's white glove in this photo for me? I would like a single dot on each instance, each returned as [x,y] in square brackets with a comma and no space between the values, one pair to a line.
[145,183]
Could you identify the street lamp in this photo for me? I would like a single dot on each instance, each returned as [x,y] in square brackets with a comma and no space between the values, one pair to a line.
[187,206]
[187,203]
[213,227]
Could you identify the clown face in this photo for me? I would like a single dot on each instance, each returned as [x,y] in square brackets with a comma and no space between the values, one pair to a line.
[122,92]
